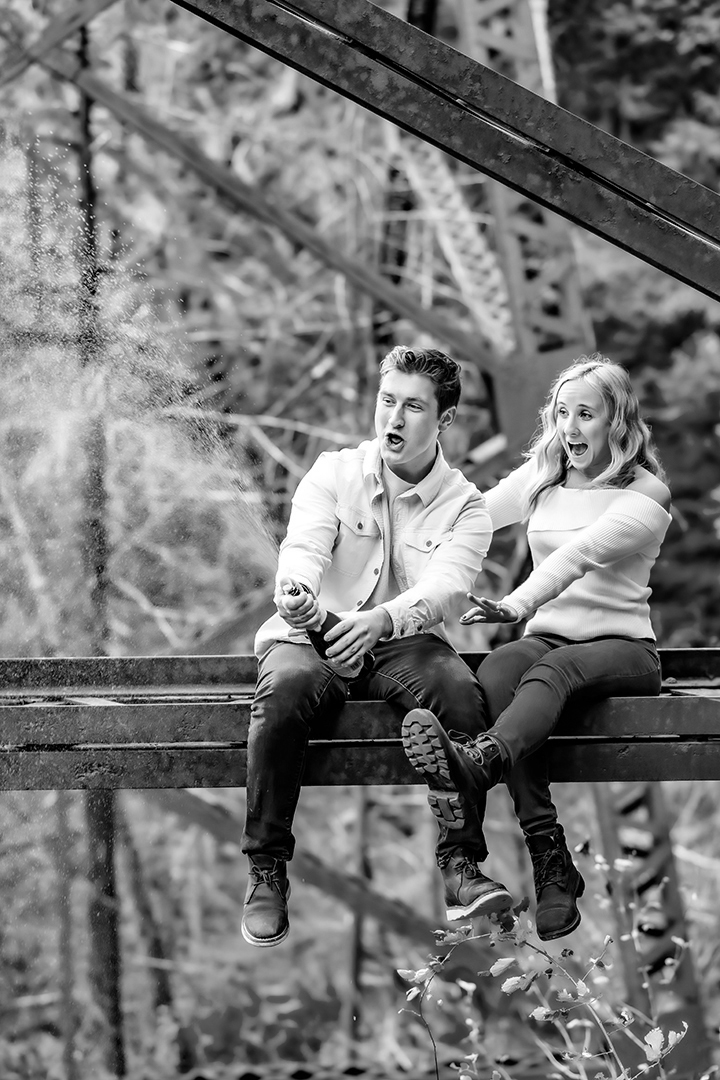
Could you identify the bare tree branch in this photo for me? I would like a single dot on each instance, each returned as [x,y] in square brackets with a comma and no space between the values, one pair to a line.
[54,35]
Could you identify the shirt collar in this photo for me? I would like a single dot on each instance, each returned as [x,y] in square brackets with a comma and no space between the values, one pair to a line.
[428,487]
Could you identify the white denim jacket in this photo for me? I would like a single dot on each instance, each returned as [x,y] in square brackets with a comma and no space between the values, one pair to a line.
[335,543]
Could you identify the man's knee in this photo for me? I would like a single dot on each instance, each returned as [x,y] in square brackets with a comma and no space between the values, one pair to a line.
[289,669]
[455,696]
[292,681]
[291,686]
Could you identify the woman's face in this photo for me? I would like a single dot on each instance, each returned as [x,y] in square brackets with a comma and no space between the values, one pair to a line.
[583,427]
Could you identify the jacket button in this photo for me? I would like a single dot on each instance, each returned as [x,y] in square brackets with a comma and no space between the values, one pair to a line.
[360,525]
[376,571]
[428,543]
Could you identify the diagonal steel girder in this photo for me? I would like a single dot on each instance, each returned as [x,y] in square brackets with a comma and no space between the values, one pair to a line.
[493,124]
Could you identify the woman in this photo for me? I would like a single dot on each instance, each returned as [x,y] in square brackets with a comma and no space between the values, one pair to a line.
[597,509]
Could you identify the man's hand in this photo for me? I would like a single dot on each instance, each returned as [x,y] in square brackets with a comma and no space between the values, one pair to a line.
[299,611]
[488,611]
[357,633]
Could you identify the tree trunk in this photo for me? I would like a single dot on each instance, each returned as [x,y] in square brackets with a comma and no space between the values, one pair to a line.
[103,920]
[150,929]
[62,854]
[105,966]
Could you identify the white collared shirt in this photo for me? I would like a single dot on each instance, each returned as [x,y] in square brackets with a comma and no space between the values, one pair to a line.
[337,542]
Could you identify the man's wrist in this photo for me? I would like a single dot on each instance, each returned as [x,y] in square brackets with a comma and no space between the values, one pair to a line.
[387,623]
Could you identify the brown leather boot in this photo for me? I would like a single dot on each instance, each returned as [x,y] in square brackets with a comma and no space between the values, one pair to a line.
[470,766]
[265,918]
[468,892]
[558,883]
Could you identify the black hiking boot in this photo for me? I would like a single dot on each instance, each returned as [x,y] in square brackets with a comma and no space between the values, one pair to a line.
[558,883]
[265,918]
[468,892]
[465,765]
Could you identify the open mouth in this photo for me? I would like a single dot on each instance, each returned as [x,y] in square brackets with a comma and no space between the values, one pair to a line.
[394,441]
[578,448]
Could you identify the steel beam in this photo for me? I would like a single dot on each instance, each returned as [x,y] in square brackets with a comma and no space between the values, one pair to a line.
[493,124]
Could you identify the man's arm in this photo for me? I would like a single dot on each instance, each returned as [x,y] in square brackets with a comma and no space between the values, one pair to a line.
[443,585]
[306,551]
[439,591]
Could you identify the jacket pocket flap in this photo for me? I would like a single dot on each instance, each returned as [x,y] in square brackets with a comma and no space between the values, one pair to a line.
[358,521]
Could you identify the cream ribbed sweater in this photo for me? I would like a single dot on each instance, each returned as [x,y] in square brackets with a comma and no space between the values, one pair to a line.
[592,551]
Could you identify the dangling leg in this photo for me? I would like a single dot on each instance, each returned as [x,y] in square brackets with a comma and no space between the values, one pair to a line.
[468,891]
[558,882]
[590,671]
[459,759]
[294,685]
[424,677]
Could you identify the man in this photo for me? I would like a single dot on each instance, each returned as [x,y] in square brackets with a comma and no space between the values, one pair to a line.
[391,538]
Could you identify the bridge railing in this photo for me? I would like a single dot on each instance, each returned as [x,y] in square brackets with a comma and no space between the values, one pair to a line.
[182,721]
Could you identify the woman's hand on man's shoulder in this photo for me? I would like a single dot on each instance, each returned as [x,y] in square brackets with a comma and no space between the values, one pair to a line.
[648,484]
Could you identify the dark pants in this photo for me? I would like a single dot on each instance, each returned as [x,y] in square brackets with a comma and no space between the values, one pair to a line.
[526,685]
[296,688]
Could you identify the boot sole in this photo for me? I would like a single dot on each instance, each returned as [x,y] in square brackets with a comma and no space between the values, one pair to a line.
[425,753]
[564,930]
[447,806]
[263,943]
[494,903]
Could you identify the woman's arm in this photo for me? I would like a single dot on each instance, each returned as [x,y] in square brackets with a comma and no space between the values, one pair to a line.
[632,522]
[506,502]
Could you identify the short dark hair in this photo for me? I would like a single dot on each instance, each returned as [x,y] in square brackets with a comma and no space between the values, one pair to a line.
[443,371]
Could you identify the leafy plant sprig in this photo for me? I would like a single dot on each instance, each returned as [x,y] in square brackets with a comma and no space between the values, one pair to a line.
[577,994]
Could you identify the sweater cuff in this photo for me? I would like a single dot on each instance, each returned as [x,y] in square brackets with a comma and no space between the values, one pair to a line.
[513,601]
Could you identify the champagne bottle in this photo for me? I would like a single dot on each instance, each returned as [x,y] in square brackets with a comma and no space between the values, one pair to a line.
[327,620]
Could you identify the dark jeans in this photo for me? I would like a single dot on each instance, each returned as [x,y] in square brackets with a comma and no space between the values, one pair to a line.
[526,685]
[296,688]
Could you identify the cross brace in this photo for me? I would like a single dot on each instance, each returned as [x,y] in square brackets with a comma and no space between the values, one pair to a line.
[493,124]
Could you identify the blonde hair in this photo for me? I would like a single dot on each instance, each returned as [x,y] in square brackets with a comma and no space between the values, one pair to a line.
[629,438]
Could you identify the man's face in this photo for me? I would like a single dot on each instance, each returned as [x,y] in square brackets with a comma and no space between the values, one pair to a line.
[407,424]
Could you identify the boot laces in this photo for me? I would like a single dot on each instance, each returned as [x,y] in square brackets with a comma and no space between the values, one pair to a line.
[476,749]
[464,865]
[469,868]
[262,875]
[550,868]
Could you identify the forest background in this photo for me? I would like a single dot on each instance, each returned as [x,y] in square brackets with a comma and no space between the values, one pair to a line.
[222,358]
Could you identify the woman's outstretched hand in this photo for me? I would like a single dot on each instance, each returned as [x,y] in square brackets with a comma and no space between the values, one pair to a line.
[488,611]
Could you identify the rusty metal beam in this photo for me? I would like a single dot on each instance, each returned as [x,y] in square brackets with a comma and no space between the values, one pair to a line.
[65,676]
[331,764]
[492,124]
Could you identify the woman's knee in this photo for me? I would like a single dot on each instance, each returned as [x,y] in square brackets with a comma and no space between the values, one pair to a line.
[560,676]
[501,671]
